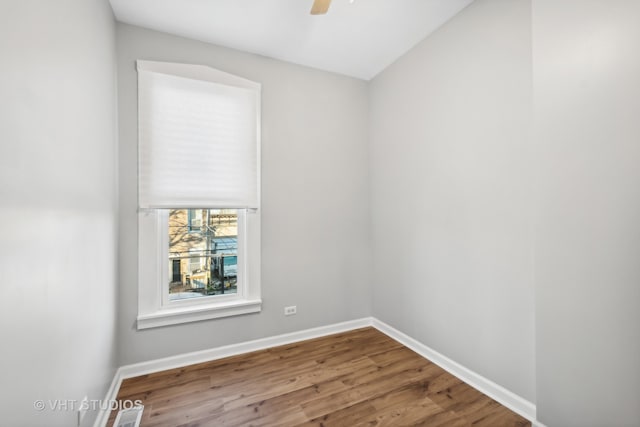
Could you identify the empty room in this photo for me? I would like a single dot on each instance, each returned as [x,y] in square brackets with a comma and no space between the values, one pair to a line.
[320,213]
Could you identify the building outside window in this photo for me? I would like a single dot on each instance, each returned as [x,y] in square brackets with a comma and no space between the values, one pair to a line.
[203,262]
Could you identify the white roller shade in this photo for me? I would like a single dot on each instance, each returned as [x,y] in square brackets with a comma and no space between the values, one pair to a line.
[198,138]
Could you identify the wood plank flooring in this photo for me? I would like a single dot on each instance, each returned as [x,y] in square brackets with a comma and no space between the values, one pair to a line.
[357,378]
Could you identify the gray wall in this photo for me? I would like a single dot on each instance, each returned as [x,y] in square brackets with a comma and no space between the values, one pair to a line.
[315,219]
[587,129]
[58,206]
[450,172]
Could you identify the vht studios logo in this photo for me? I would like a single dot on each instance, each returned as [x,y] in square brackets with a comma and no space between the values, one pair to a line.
[59,405]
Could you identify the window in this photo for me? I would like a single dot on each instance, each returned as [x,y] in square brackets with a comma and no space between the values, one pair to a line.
[194,220]
[198,194]
[208,256]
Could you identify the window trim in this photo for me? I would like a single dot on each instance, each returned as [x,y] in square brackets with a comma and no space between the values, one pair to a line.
[153,266]
[153,260]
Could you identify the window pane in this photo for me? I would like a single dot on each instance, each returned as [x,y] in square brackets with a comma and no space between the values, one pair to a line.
[203,252]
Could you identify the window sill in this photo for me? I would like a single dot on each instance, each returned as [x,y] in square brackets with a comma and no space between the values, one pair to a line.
[194,313]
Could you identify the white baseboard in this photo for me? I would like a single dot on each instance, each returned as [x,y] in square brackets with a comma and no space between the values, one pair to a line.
[143,368]
[112,392]
[498,393]
[491,389]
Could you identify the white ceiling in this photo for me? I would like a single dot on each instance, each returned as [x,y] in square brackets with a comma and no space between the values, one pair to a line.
[358,39]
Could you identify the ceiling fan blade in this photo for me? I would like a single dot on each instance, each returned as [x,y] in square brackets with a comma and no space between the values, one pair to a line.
[320,7]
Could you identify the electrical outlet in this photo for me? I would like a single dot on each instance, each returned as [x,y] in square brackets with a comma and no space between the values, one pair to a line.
[290,311]
[82,409]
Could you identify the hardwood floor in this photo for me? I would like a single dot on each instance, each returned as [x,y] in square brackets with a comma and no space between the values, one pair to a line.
[357,378]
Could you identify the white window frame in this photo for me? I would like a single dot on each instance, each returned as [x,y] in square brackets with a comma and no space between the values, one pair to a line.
[154,307]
